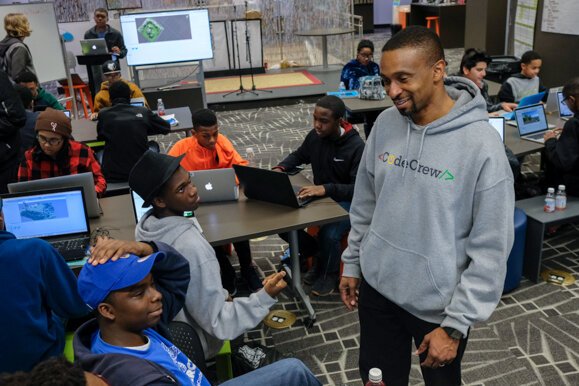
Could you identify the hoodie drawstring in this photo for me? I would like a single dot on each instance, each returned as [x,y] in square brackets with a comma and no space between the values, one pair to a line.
[421,148]
[407,144]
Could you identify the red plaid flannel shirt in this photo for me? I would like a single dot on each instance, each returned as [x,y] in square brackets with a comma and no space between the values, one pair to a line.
[37,165]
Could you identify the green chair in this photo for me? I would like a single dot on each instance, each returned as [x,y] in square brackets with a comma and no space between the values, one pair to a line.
[223,362]
[68,349]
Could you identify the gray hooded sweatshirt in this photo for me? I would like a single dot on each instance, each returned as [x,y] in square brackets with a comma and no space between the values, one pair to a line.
[206,308]
[432,213]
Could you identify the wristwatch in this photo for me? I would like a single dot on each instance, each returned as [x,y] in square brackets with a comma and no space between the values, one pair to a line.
[453,333]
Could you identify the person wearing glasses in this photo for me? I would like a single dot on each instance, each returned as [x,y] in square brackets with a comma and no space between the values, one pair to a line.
[55,153]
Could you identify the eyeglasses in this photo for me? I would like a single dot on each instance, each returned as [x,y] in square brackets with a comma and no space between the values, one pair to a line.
[51,141]
[367,56]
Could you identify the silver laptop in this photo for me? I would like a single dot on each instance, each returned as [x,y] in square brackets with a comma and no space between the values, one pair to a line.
[215,185]
[564,111]
[85,180]
[94,47]
[499,124]
[57,216]
[532,122]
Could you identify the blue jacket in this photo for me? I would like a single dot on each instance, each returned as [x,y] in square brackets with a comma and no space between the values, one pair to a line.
[354,70]
[38,289]
[171,274]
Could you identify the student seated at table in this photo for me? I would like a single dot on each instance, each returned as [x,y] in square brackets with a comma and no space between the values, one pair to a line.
[42,99]
[27,133]
[334,149]
[135,298]
[209,149]
[525,83]
[125,128]
[562,146]
[55,153]
[112,73]
[473,66]
[39,292]
[165,185]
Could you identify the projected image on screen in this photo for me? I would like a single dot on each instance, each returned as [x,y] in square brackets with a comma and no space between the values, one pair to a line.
[163,28]
[43,210]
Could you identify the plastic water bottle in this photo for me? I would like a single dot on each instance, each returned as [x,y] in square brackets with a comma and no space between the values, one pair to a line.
[341,87]
[550,201]
[160,107]
[375,377]
[561,198]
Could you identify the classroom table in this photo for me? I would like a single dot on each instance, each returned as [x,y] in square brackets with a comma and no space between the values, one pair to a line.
[324,33]
[521,147]
[357,105]
[226,222]
[84,130]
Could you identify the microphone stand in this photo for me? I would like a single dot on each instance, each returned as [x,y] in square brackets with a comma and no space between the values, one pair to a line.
[241,89]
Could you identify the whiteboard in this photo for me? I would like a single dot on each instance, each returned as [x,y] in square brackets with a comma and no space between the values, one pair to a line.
[560,17]
[44,42]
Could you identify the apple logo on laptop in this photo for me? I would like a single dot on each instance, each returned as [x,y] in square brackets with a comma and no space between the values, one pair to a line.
[94,46]
[208,186]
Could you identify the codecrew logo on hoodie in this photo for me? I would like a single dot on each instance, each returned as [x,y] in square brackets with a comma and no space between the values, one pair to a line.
[391,159]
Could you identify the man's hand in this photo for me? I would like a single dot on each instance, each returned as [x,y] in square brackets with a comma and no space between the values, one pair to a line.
[508,106]
[312,191]
[93,116]
[349,291]
[107,249]
[277,169]
[116,50]
[274,284]
[441,348]
[551,134]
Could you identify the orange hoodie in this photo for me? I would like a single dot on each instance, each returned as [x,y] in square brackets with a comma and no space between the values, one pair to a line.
[198,157]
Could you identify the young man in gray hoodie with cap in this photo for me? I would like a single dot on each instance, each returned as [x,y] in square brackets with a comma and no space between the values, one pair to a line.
[165,185]
[432,218]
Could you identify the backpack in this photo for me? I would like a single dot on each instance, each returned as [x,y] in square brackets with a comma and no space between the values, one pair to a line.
[7,57]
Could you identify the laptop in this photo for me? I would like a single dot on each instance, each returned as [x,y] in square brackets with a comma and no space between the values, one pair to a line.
[138,104]
[499,124]
[139,211]
[269,186]
[57,216]
[214,185]
[525,101]
[532,122]
[564,111]
[94,47]
[82,179]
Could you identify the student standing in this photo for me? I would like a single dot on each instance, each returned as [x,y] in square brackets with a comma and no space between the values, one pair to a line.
[15,56]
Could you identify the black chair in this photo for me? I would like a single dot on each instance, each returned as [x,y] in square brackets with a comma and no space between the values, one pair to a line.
[186,339]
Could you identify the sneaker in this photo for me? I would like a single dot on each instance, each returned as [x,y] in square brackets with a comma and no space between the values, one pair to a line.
[249,274]
[325,285]
[311,276]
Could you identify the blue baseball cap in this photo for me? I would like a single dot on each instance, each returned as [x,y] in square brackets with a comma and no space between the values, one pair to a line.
[95,282]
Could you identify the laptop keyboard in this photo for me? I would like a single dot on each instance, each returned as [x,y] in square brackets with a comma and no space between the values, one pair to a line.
[74,249]
[536,136]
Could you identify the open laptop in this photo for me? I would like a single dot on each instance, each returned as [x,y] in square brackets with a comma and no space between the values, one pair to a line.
[57,216]
[82,179]
[499,124]
[139,211]
[267,185]
[525,101]
[565,112]
[214,185]
[94,47]
[532,122]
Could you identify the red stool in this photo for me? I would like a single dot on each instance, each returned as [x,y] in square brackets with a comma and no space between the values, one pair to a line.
[429,20]
[402,18]
[85,97]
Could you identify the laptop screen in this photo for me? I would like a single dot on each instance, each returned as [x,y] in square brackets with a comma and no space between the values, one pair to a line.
[45,214]
[564,110]
[138,104]
[138,206]
[499,124]
[531,119]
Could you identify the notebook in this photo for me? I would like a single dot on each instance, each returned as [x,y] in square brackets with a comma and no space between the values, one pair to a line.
[269,186]
[499,124]
[525,101]
[82,179]
[57,216]
[94,47]
[532,122]
[215,185]
[564,110]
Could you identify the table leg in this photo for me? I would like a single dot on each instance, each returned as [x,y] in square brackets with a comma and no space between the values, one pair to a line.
[533,249]
[296,275]
[325,51]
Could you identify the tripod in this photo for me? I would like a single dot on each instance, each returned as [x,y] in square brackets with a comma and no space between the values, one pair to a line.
[241,89]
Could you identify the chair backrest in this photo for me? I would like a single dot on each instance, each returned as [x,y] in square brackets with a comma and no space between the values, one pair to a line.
[186,339]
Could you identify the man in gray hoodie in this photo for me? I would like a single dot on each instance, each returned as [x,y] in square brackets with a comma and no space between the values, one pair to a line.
[432,218]
[165,185]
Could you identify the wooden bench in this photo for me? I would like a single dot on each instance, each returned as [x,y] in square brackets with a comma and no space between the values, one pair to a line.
[537,223]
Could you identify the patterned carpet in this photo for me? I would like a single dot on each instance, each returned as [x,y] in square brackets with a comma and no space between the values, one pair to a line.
[531,339]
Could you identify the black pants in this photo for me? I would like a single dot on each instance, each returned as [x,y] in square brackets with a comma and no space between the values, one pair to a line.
[243,251]
[386,333]
[8,174]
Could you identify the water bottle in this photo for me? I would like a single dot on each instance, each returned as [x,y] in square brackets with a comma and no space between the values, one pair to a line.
[375,377]
[160,107]
[341,87]
[550,201]
[561,198]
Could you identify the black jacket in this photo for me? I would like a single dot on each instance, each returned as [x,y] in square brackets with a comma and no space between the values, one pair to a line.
[12,118]
[112,37]
[171,274]
[563,157]
[334,161]
[125,129]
